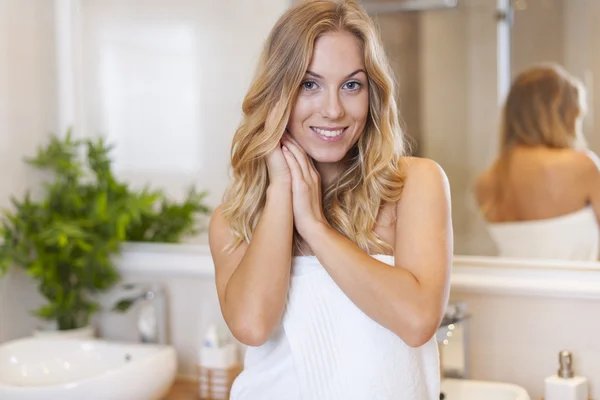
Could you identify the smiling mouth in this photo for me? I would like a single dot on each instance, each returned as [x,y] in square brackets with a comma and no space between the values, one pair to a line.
[329,133]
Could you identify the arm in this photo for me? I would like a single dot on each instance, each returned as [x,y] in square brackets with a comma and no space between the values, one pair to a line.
[410,297]
[252,282]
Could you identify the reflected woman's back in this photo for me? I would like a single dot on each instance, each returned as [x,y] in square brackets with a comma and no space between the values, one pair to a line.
[543,183]
[543,177]
[552,213]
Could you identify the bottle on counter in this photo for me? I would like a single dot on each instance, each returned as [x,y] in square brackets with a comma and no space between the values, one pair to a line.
[218,365]
[565,385]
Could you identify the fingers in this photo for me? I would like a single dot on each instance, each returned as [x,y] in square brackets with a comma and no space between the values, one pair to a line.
[277,166]
[293,165]
[301,158]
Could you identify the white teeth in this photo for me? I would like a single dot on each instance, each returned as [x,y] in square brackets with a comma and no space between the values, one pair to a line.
[329,133]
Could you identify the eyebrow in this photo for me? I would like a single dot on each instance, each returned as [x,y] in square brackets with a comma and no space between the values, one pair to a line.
[349,76]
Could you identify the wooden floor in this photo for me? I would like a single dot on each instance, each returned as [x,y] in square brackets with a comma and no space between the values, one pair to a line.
[183,390]
[188,389]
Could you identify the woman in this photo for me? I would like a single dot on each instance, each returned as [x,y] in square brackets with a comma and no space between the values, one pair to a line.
[332,250]
[541,197]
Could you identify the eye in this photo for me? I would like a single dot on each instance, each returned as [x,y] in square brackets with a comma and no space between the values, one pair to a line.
[353,85]
[309,85]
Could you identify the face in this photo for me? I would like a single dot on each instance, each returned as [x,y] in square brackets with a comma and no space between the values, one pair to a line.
[332,105]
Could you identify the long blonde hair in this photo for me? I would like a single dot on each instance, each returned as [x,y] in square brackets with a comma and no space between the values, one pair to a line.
[373,174]
[544,107]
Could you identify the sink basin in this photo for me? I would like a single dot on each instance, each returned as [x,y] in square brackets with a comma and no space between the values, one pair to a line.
[466,389]
[41,369]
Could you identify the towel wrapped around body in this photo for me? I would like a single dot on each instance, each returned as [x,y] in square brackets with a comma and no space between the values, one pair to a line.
[328,349]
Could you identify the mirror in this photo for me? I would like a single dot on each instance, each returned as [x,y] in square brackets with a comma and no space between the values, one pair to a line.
[455,66]
[454,61]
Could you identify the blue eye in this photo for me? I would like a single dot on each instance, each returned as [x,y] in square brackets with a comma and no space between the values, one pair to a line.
[309,85]
[353,85]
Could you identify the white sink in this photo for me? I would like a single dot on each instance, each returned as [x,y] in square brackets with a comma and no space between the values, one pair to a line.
[42,369]
[466,389]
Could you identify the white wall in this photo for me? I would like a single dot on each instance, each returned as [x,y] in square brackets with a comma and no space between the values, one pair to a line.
[27,115]
[517,338]
[166,80]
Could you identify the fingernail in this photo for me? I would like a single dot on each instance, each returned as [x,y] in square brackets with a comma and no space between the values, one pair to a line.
[284,148]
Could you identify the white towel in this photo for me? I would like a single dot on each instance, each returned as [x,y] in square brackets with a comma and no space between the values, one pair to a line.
[334,351]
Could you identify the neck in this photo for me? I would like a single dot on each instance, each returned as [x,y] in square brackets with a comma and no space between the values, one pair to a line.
[328,172]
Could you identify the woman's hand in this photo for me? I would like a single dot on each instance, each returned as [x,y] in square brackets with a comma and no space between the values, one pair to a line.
[307,200]
[279,172]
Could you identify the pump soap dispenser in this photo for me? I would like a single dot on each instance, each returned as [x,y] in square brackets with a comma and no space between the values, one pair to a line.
[565,385]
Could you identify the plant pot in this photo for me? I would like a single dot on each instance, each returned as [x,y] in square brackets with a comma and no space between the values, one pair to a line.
[87,332]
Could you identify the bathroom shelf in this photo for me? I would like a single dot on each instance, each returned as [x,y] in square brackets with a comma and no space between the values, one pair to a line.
[526,277]
[490,275]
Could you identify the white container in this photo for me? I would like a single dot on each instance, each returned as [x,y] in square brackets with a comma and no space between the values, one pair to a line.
[565,385]
[557,388]
[220,357]
[218,365]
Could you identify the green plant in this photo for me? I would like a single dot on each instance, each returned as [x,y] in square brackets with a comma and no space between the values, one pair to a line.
[67,239]
[169,221]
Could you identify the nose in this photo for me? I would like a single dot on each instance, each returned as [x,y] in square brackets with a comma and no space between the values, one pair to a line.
[333,108]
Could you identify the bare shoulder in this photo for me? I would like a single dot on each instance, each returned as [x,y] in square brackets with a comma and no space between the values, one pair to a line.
[425,178]
[418,168]
[577,166]
[568,161]
[586,161]
[423,241]
[219,238]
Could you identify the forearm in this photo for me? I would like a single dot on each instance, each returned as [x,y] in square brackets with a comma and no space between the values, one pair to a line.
[391,296]
[256,292]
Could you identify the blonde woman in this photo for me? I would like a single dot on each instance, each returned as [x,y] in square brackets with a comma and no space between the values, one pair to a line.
[541,197]
[332,249]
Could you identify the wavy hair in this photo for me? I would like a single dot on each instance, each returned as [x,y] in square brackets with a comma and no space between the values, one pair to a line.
[544,107]
[373,174]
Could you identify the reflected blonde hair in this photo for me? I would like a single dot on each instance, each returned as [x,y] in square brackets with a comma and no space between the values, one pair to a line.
[544,107]
[373,175]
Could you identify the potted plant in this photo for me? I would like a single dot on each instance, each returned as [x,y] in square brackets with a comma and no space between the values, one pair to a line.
[66,240]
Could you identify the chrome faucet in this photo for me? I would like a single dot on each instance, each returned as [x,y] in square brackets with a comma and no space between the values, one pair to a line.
[452,338]
[152,323]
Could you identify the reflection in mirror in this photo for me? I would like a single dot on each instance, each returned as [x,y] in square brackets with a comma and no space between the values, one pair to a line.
[540,195]
[452,93]
[535,195]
